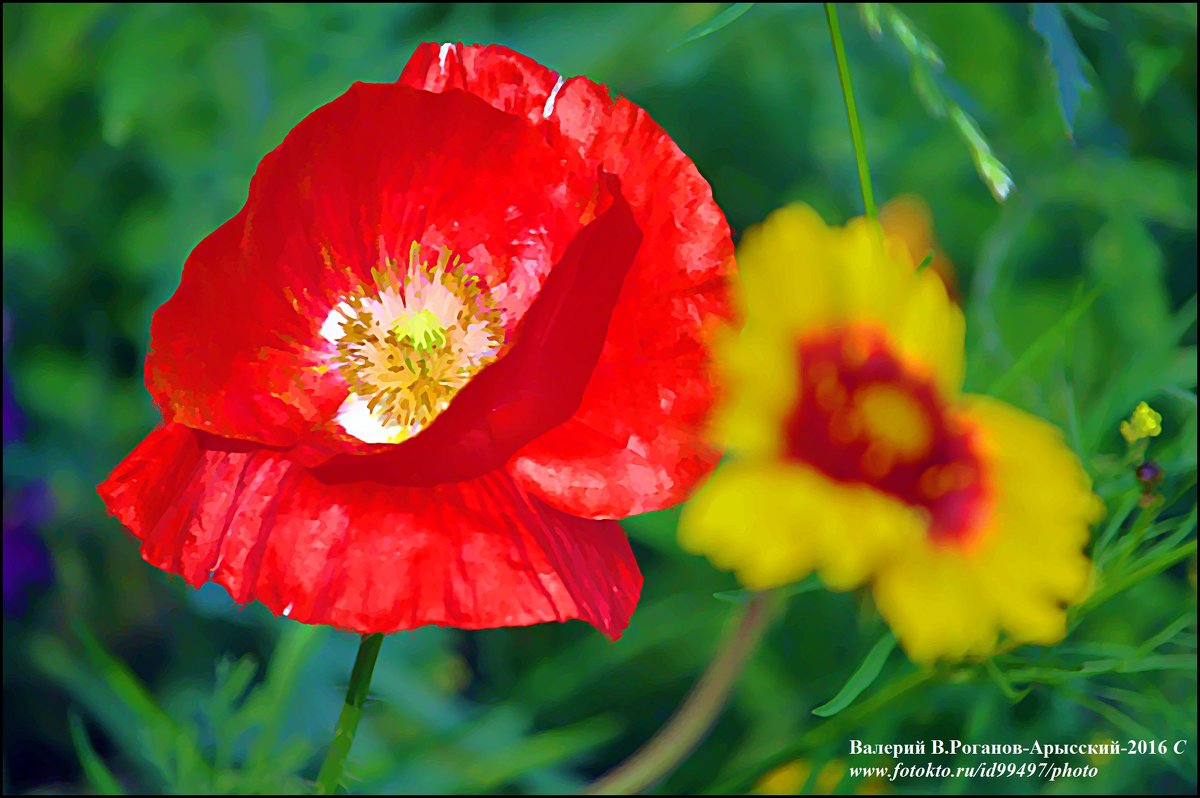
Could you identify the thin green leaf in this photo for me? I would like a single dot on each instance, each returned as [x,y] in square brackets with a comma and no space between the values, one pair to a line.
[1174,529]
[1126,725]
[1011,693]
[542,750]
[725,18]
[297,644]
[924,263]
[167,745]
[1147,699]
[806,585]
[1152,66]
[1043,343]
[870,15]
[1184,320]
[98,774]
[915,42]
[1185,663]
[994,173]
[1133,539]
[928,92]
[1157,662]
[1097,649]
[862,678]
[1178,534]
[1124,510]
[124,684]
[1114,716]
[1064,57]
[1085,16]
[924,62]
[232,680]
[1150,566]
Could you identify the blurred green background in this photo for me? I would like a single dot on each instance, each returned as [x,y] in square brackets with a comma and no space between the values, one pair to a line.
[132,131]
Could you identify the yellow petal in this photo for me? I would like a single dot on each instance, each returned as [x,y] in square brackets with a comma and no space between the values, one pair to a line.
[799,275]
[775,522]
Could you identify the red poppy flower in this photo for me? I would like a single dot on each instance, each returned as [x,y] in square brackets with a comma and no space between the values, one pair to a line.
[459,326]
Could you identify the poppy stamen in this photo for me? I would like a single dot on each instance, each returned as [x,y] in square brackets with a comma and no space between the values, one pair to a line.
[408,344]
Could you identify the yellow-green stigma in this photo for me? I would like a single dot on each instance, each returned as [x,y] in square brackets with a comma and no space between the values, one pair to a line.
[423,329]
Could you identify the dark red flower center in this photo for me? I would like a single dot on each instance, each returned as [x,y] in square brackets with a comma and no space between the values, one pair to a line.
[863,417]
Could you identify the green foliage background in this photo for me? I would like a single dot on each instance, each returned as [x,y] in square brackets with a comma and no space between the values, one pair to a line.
[131,131]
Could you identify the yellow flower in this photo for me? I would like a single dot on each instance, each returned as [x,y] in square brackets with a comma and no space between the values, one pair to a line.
[1143,423]
[856,455]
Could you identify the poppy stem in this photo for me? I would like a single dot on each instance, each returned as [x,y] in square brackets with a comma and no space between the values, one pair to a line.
[860,148]
[356,696]
[696,715]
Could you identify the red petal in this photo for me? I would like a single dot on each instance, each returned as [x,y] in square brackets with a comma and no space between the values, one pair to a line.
[357,181]
[632,445]
[475,554]
[536,386]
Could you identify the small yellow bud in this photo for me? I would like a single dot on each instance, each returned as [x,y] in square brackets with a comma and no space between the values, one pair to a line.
[1143,423]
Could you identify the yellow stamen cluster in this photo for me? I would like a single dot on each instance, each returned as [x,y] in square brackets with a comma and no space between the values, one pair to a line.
[409,346]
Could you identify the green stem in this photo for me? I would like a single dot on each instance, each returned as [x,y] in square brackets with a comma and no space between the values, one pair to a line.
[696,715]
[347,724]
[860,149]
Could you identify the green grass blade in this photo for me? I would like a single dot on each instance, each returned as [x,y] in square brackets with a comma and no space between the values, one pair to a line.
[724,19]
[1064,58]
[1043,343]
[862,678]
[1002,681]
[101,778]
[805,585]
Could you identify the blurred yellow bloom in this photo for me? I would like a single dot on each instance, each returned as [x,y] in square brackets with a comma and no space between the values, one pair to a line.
[1143,423]
[856,454]
[908,219]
